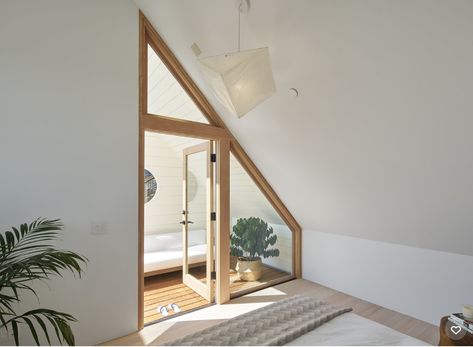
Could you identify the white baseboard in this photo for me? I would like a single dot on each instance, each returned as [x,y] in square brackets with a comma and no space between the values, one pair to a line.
[421,283]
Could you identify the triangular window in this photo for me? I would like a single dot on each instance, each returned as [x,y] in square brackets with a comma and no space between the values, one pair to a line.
[166,97]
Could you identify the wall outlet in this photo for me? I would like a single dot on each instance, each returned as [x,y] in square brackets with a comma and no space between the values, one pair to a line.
[99,228]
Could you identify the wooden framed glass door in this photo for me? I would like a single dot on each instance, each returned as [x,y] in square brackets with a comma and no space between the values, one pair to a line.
[197,224]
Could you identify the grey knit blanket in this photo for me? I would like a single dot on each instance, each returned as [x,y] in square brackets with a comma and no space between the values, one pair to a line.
[272,325]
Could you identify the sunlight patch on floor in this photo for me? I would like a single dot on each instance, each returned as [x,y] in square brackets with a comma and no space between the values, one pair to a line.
[267,292]
[213,313]
[151,332]
[218,312]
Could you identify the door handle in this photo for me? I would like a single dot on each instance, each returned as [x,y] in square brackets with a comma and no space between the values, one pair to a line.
[188,222]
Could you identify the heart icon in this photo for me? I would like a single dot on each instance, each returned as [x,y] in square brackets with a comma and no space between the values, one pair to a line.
[456,329]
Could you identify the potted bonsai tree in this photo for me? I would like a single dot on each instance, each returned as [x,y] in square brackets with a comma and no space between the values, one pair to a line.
[251,239]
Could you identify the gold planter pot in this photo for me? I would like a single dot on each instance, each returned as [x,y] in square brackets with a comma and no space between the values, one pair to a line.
[249,270]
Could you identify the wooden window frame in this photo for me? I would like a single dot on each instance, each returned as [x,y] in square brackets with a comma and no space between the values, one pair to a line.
[225,142]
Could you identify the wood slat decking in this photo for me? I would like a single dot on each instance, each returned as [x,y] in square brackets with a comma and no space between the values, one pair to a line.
[269,274]
[168,288]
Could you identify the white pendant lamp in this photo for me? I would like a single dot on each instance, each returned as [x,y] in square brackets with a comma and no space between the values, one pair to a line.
[240,80]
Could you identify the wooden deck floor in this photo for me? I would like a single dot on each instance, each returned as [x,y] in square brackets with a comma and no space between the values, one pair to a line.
[165,289]
[162,290]
[269,274]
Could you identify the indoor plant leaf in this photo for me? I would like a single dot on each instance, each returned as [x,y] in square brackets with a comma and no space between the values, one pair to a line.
[27,254]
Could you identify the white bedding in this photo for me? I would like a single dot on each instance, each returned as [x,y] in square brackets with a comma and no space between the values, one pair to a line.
[350,329]
[161,260]
[164,251]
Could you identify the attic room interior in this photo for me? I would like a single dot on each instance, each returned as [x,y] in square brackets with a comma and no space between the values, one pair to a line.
[277,172]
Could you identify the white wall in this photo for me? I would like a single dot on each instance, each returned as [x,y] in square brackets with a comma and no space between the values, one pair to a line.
[422,283]
[69,147]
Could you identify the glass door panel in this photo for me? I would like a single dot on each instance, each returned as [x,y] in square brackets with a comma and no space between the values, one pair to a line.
[197,226]
[260,242]
[166,97]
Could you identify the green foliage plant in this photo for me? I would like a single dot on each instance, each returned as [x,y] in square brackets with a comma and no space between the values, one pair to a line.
[251,239]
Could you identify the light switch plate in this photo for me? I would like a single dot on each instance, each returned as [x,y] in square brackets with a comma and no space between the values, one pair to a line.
[99,228]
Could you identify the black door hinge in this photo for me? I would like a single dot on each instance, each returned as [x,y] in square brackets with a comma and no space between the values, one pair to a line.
[213,157]
[213,275]
[213,216]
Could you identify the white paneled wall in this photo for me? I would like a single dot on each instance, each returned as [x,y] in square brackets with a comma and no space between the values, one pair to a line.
[166,96]
[163,158]
[284,244]
[246,200]
[163,212]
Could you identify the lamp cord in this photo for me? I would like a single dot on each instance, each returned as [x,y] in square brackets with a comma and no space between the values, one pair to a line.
[239,24]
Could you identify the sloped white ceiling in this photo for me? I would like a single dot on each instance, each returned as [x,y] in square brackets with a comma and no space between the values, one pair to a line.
[378,143]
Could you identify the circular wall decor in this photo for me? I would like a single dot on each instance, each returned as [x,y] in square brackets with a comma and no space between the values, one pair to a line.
[151,186]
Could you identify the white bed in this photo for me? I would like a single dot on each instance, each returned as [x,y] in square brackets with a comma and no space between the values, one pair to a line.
[163,252]
[349,329]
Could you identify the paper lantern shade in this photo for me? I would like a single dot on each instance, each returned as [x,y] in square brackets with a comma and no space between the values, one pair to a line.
[240,80]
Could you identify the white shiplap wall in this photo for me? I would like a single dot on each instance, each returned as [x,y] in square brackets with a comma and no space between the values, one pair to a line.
[163,158]
[284,244]
[162,212]
[246,200]
[166,96]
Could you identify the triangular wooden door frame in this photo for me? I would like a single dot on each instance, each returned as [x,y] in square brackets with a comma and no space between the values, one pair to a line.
[216,130]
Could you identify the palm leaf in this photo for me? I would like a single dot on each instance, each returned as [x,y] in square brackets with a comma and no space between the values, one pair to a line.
[26,254]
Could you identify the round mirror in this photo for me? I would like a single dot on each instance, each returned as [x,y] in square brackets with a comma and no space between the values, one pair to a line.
[151,186]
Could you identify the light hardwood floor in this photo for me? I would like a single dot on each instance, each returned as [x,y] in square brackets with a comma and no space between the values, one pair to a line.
[168,330]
